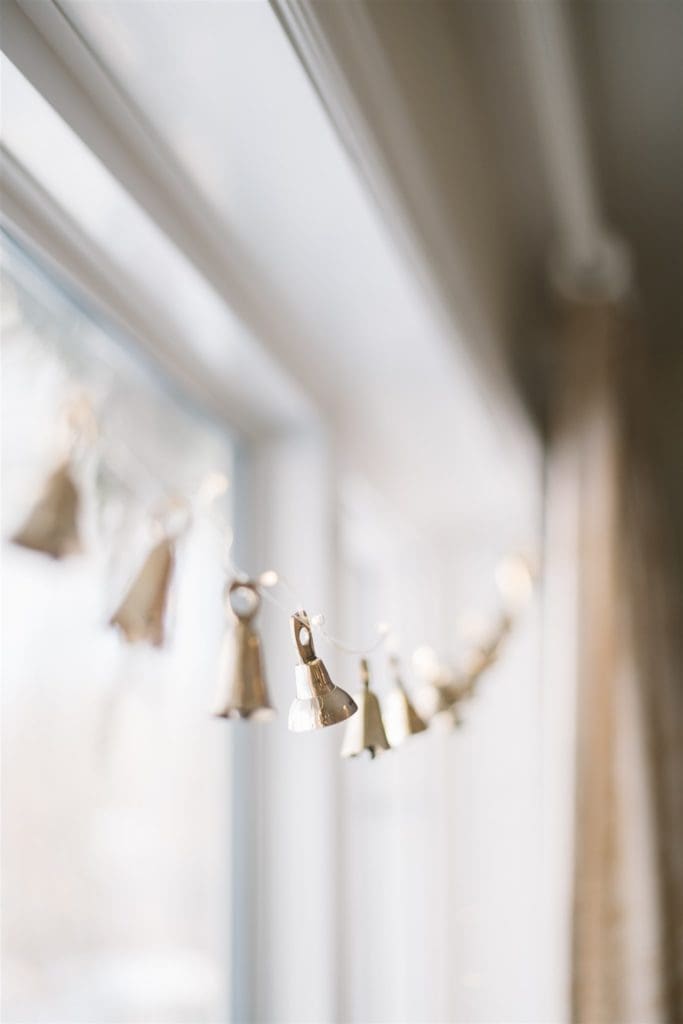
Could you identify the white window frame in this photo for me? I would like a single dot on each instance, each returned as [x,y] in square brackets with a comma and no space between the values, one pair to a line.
[284,515]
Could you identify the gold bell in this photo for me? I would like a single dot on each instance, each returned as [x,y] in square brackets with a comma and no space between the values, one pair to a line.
[401,720]
[141,614]
[318,701]
[242,690]
[457,692]
[455,719]
[482,657]
[436,699]
[365,731]
[433,697]
[52,526]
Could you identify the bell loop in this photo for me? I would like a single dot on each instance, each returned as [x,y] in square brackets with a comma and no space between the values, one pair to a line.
[303,637]
[250,604]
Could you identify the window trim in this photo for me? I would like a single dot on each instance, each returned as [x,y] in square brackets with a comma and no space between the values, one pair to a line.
[42,43]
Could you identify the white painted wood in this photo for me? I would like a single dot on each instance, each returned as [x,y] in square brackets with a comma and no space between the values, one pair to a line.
[294,899]
[250,402]
[40,40]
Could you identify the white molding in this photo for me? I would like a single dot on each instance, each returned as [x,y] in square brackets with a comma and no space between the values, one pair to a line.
[30,214]
[41,41]
[350,71]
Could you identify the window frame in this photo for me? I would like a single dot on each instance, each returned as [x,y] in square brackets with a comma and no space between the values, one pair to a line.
[284,510]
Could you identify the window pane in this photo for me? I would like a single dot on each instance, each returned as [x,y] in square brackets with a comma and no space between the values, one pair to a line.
[115,778]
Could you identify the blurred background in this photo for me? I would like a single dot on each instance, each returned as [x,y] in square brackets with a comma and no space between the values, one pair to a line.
[372,295]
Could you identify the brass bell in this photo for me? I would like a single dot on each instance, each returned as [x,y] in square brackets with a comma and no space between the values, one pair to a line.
[453,719]
[401,720]
[52,526]
[480,658]
[454,694]
[436,696]
[318,701]
[141,614]
[365,731]
[438,699]
[242,690]
[475,662]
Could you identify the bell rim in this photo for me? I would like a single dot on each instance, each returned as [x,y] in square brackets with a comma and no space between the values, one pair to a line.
[348,709]
[261,713]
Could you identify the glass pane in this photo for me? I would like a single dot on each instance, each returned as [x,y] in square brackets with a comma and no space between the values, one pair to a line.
[115,778]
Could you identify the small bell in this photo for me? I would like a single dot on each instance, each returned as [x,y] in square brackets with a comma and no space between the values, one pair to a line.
[454,719]
[486,654]
[459,692]
[318,701]
[493,648]
[52,526]
[141,614]
[401,720]
[242,689]
[436,697]
[476,661]
[365,731]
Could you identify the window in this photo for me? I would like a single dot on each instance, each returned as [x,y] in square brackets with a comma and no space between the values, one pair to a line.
[115,883]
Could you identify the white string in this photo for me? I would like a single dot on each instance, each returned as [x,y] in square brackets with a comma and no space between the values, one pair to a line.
[383,634]
[269,579]
[316,621]
[211,488]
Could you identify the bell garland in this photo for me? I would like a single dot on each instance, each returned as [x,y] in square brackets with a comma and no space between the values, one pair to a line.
[52,527]
[371,727]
